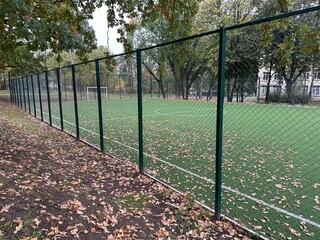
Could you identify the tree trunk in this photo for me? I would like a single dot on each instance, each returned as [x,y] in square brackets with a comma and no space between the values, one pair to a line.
[242,92]
[311,85]
[3,85]
[268,85]
[199,89]
[70,52]
[229,96]
[4,82]
[161,88]
[290,92]
[230,90]
[186,90]
[178,83]
[237,88]
[209,94]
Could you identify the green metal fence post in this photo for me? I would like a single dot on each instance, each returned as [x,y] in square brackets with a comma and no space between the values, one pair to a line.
[9,81]
[99,106]
[20,91]
[29,108]
[33,97]
[259,83]
[40,99]
[48,98]
[140,123]
[60,99]
[10,92]
[20,94]
[75,101]
[14,91]
[10,87]
[220,100]
[24,95]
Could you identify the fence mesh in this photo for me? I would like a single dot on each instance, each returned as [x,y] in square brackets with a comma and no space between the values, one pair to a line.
[270,117]
[44,97]
[20,90]
[36,96]
[87,109]
[54,99]
[271,158]
[31,93]
[67,98]
[178,118]
[119,112]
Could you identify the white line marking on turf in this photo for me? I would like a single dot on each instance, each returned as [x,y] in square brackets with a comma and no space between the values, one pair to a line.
[272,206]
[161,112]
[210,181]
[187,113]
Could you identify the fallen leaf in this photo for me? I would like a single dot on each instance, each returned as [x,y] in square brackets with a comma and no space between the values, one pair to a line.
[54,231]
[316,208]
[257,227]
[110,237]
[165,222]
[294,232]
[37,221]
[6,208]
[162,232]
[283,198]
[20,225]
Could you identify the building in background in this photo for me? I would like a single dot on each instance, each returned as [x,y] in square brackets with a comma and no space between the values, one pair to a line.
[307,85]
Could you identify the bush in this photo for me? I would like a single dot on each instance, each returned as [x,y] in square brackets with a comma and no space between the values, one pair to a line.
[283,98]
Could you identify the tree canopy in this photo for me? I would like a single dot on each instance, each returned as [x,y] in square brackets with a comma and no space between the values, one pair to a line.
[28,28]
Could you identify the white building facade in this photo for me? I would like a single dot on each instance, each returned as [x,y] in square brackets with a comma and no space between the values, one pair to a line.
[309,80]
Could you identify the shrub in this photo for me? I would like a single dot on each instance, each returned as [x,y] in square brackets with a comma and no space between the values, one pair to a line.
[283,98]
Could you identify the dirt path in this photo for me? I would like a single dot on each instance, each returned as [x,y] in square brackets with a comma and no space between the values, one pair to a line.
[55,187]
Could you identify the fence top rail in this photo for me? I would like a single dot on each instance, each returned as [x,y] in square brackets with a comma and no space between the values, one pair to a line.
[256,22]
[181,39]
[277,17]
[233,27]
[98,59]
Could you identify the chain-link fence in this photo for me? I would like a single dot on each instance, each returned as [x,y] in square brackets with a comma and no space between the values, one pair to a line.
[271,162]
[247,94]
[178,120]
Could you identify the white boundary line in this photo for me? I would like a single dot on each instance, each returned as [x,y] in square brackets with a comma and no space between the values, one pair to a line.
[184,113]
[210,181]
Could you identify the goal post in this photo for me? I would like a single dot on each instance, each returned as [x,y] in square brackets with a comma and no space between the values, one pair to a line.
[92,93]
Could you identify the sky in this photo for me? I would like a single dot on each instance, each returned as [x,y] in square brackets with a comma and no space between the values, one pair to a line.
[99,23]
